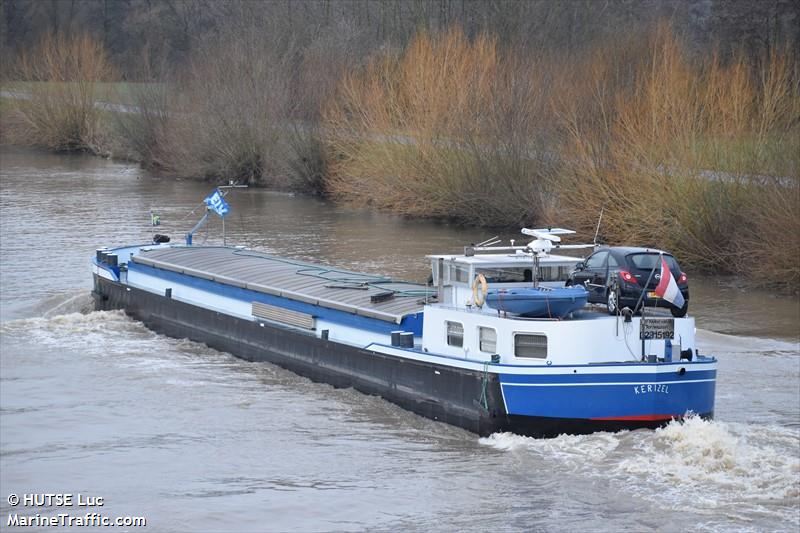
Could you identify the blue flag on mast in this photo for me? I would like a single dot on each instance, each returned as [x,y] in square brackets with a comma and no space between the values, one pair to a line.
[217,203]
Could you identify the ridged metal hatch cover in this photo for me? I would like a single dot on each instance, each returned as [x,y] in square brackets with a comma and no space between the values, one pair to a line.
[292,279]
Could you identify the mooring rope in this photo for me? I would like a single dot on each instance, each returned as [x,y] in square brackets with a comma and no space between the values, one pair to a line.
[484,400]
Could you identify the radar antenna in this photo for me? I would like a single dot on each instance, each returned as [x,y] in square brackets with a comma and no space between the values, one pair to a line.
[545,238]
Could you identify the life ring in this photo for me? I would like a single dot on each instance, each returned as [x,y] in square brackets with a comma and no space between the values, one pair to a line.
[479,297]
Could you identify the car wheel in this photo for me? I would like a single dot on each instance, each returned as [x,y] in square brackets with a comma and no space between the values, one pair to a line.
[679,312]
[612,301]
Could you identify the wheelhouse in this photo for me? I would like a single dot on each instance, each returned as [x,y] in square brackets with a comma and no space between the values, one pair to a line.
[455,275]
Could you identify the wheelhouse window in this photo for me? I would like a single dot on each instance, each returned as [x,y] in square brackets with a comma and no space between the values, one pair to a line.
[487,339]
[530,345]
[554,272]
[507,275]
[455,334]
[459,273]
[434,279]
[547,272]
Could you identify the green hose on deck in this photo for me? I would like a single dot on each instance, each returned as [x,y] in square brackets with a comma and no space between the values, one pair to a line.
[351,278]
[484,386]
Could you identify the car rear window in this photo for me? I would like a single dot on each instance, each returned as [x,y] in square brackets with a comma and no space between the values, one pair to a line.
[648,260]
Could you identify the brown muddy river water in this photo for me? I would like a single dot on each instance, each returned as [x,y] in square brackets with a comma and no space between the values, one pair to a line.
[192,439]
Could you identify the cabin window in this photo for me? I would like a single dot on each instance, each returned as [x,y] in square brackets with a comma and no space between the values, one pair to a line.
[459,273]
[549,273]
[530,345]
[455,334]
[507,275]
[488,339]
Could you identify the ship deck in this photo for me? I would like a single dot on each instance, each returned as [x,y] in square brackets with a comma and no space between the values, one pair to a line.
[355,292]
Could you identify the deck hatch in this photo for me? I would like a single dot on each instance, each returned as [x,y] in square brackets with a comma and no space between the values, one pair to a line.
[284,316]
[294,280]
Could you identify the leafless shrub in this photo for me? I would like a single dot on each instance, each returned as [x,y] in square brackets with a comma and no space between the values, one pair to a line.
[689,156]
[142,127]
[63,77]
[230,119]
[451,127]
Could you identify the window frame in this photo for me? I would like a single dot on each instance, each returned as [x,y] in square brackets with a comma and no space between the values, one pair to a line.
[531,334]
[481,341]
[447,333]
[604,253]
[459,273]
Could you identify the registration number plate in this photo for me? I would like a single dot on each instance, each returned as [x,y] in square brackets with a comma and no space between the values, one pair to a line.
[657,328]
[652,294]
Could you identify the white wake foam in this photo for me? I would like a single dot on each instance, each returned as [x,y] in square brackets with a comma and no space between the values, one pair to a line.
[712,464]
[741,470]
[95,328]
[566,448]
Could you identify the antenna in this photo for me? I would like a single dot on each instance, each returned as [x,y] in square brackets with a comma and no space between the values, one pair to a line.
[489,242]
[597,231]
[225,190]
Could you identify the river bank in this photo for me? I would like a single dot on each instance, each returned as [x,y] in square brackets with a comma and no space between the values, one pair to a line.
[441,129]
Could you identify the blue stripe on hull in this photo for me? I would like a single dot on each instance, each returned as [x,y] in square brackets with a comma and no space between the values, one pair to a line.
[652,396]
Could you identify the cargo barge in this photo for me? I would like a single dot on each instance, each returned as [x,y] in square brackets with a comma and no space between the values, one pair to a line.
[435,349]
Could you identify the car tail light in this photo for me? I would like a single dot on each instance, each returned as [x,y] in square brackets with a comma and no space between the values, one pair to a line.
[627,277]
[682,278]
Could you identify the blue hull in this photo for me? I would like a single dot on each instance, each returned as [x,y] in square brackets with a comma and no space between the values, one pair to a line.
[538,302]
[651,392]
[539,401]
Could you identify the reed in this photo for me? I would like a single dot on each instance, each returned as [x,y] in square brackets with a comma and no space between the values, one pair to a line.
[769,246]
[694,155]
[142,133]
[699,154]
[65,75]
[450,127]
[229,116]
[688,152]
[304,163]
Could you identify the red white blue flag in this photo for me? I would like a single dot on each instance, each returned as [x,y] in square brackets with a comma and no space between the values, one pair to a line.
[668,288]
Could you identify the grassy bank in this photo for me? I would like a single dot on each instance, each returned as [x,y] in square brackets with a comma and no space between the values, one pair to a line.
[698,155]
[121,92]
[694,153]
[63,74]
[450,127]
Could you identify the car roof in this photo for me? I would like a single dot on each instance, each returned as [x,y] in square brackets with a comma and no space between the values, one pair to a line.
[625,250]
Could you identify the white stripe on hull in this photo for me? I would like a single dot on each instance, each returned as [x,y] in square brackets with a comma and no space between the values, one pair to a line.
[611,368]
[598,384]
